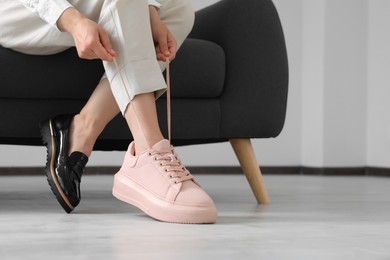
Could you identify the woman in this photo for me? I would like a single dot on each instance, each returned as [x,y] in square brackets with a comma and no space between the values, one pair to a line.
[133,38]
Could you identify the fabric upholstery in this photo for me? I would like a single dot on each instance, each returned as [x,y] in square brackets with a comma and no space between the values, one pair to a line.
[229,80]
[64,76]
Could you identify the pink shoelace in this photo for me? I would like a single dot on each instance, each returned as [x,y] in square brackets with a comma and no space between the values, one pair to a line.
[172,165]
[169,160]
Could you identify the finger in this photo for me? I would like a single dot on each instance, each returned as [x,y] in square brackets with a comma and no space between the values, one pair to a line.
[160,56]
[105,41]
[101,53]
[172,46]
[163,45]
[172,50]
[113,53]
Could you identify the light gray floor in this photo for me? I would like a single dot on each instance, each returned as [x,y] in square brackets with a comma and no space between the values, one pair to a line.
[308,218]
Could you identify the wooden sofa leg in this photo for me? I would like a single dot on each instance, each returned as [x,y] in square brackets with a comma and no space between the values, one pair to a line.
[247,158]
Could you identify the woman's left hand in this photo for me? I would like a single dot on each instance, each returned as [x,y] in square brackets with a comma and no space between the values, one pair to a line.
[164,41]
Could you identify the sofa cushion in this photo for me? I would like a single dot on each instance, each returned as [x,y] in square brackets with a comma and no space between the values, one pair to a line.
[198,70]
[65,76]
[60,76]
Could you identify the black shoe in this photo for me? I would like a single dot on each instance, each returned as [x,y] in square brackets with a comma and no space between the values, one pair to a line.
[63,172]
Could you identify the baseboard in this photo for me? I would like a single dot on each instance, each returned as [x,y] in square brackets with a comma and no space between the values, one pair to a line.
[377,171]
[334,171]
[266,170]
[36,171]
[346,171]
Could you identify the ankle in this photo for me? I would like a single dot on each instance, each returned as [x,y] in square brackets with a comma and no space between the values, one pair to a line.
[141,147]
[83,135]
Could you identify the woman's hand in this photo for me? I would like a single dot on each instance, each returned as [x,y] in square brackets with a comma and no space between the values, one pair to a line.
[164,41]
[91,40]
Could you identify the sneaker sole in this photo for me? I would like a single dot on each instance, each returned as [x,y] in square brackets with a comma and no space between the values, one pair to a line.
[128,191]
[48,140]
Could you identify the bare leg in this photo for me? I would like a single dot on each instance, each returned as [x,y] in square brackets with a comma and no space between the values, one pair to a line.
[101,108]
[141,116]
[86,127]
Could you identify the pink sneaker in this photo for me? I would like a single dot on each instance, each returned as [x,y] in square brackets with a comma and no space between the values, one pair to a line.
[157,183]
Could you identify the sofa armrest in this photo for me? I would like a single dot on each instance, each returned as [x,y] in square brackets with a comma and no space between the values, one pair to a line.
[256,83]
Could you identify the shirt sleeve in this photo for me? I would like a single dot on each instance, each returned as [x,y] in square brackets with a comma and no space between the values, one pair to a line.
[48,10]
[154,3]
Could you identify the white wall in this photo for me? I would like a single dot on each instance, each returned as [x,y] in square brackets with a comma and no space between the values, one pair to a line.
[378,127]
[345,86]
[334,86]
[313,82]
[345,91]
[338,109]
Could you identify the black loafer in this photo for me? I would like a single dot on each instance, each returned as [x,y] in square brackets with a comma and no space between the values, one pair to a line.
[63,172]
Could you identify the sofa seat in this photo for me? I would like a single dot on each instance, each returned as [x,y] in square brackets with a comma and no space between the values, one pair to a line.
[55,84]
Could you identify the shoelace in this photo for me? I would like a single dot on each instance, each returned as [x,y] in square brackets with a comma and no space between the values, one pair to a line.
[172,165]
[168,160]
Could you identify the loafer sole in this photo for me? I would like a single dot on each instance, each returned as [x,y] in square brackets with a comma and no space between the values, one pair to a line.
[48,139]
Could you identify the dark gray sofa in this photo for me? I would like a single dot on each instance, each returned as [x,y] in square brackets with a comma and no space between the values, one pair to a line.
[229,82]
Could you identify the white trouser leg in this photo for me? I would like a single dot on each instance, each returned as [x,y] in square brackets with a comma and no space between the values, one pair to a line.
[128,24]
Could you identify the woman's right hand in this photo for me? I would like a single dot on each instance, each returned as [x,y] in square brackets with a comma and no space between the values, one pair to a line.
[91,40]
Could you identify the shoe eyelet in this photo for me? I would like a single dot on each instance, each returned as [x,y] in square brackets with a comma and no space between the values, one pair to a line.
[176,182]
[150,154]
[161,164]
[165,170]
[155,158]
[170,176]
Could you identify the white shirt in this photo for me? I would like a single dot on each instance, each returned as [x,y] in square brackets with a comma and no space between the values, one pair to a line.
[51,10]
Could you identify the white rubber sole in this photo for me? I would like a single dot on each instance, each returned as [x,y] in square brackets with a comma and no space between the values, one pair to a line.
[130,192]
